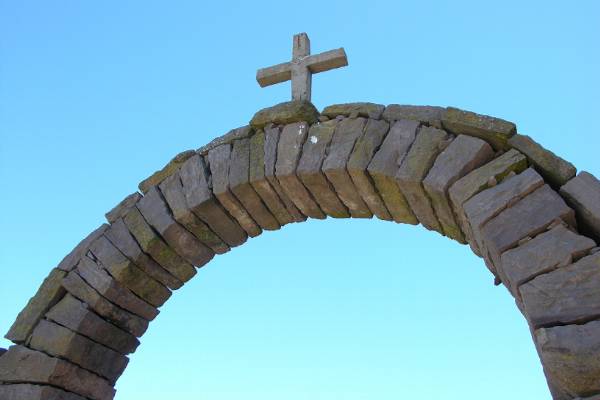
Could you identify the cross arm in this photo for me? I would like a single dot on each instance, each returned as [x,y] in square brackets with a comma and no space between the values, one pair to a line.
[328,60]
[275,74]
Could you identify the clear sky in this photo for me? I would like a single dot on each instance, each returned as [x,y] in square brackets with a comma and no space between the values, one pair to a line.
[95,96]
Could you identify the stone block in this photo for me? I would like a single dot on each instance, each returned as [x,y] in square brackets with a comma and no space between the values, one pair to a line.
[27,391]
[171,167]
[234,134]
[71,260]
[583,194]
[366,110]
[22,365]
[121,209]
[286,113]
[425,149]
[462,156]
[384,167]
[428,115]
[495,131]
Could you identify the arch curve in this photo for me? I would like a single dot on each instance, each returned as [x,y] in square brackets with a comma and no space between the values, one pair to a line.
[469,177]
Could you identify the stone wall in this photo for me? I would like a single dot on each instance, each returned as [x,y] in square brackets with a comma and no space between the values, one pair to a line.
[469,177]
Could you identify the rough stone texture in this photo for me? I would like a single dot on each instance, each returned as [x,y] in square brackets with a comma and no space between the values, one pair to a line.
[75,315]
[49,293]
[429,115]
[121,209]
[239,181]
[118,316]
[219,162]
[546,252]
[495,131]
[309,171]
[152,244]
[234,134]
[199,197]
[127,273]
[71,260]
[286,113]
[289,149]
[167,170]
[121,238]
[26,391]
[260,183]
[172,191]
[567,295]
[554,169]
[583,194]
[463,155]
[385,165]
[347,132]
[367,110]
[416,165]
[22,365]
[58,341]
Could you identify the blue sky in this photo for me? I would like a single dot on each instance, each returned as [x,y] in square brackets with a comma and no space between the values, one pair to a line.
[95,96]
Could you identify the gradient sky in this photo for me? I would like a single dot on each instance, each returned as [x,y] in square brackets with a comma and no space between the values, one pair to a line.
[95,96]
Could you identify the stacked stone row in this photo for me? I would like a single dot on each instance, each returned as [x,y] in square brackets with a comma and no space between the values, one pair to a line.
[469,177]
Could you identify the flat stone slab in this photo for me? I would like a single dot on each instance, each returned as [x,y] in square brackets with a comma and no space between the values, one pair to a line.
[430,115]
[286,113]
[71,259]
[27,391]
[495,131]
[366,110]
[462,156]
[171,167]
[583,194]
[385,165]
[121,209]
[234,134]
[567,295]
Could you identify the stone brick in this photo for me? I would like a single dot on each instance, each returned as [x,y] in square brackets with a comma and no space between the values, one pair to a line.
[118,316]
[127,273]
[27,391]
[239,182]
[309,171]
[219,162]
[495,131]
[167,170]
[152,244]
[567,295]
[291,139]
[48,294]
[347,132]
[385,165]
[546,252]
[172,191]
[121,209]
[71,260]
[22,365]
[75,315]
[463,155]
[286,113]
[554,169]
[414,168]
[366,110]
[429,115]
[583,194]
[195,179]
[58,341]
[234,134]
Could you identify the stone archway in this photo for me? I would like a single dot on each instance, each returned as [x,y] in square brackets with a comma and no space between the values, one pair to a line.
[469,177]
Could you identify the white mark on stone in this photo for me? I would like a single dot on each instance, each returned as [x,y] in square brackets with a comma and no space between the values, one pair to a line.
[313,139]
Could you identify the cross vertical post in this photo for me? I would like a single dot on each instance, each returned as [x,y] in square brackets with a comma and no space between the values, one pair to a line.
[301,76]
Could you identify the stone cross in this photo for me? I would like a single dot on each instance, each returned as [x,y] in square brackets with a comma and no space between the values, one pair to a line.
[301,68]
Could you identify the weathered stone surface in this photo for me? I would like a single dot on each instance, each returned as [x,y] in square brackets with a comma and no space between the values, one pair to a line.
[49,293]
[367,110]
[286,113]
[384,167]
[152,244]
[234,134]
[219,160]
[239,181]
[291,139]
[98,278]
[27,391]
[167,170]
[528,217]
[567,295]
[22,365]
[120,317]
[121,209]
[495,131]
[309,171]
[364,149]
[58,341]
[75,315]
[261,184]
[172,190]
[71,260]
[127,273]
[429,115]
[478,180]
[554,169]
[121,238]
[583,194]
[546,252]
[463,155]
[199,197]
[414,168]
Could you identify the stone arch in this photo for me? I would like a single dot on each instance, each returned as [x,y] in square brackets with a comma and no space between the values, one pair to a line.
[470,177]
